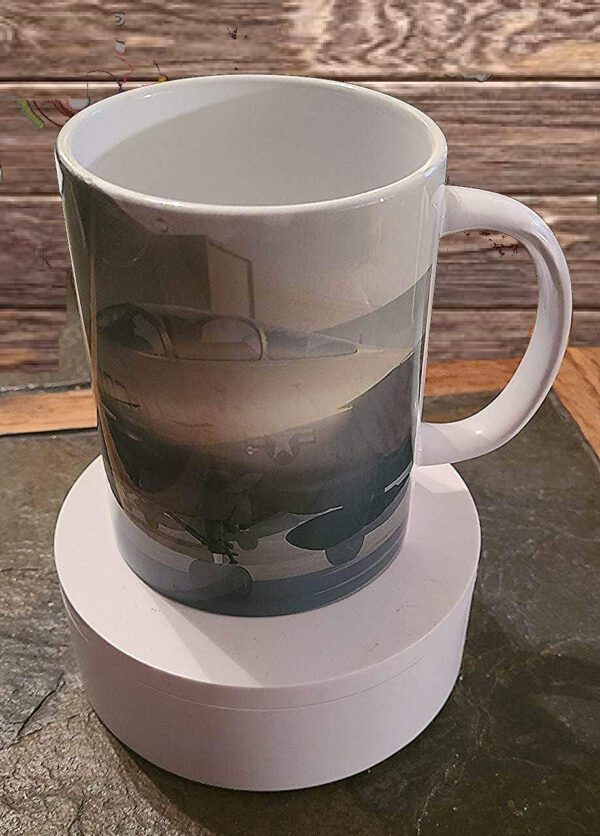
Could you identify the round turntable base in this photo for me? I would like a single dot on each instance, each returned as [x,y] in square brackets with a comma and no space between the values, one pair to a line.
[281,702]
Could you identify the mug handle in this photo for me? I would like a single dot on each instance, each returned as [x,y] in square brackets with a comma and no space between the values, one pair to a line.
[493,426]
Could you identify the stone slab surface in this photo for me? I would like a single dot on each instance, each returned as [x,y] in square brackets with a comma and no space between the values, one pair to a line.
[516,750]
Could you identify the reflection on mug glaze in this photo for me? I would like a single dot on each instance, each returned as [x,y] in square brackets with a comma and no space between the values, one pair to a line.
[236,442]
[258,470]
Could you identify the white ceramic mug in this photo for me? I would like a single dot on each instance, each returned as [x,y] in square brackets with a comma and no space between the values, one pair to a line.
[254,257]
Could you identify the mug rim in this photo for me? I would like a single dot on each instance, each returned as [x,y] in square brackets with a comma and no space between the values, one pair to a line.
[436,157]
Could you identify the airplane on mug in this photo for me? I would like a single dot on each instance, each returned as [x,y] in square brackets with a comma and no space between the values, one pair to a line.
[226,431]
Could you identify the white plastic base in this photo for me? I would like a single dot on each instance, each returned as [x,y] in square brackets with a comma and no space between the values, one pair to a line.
[272,703]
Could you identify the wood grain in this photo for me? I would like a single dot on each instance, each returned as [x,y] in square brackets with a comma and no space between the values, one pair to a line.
[578,388]
[513,137]
[404,39]
[34,258]
[462,376]
[50,411]
[47,412]
[341,38]
[29,338]
[488,334]
[577,385]
[481,300]
[185,38]
[495,132]
[471,273]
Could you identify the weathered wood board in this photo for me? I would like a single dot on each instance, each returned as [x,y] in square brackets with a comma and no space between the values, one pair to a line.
[339,38]
[577,386]
[532,130]
[471,273]
[512,137]
[29,338]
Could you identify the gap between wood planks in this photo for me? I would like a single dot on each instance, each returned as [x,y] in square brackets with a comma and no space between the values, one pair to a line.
[577,386]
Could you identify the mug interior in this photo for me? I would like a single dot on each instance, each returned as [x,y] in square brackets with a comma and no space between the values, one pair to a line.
[249,140]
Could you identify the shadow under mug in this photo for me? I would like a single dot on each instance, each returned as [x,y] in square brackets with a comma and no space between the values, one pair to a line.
[254,260]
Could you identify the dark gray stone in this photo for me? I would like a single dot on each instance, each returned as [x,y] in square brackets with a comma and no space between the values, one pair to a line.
[514,751]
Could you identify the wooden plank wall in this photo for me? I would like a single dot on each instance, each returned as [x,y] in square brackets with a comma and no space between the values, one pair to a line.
[531,130]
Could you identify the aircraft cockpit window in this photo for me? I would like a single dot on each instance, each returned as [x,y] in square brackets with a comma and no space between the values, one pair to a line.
[221,338]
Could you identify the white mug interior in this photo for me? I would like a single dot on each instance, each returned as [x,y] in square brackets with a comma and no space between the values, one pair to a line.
[250,140]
